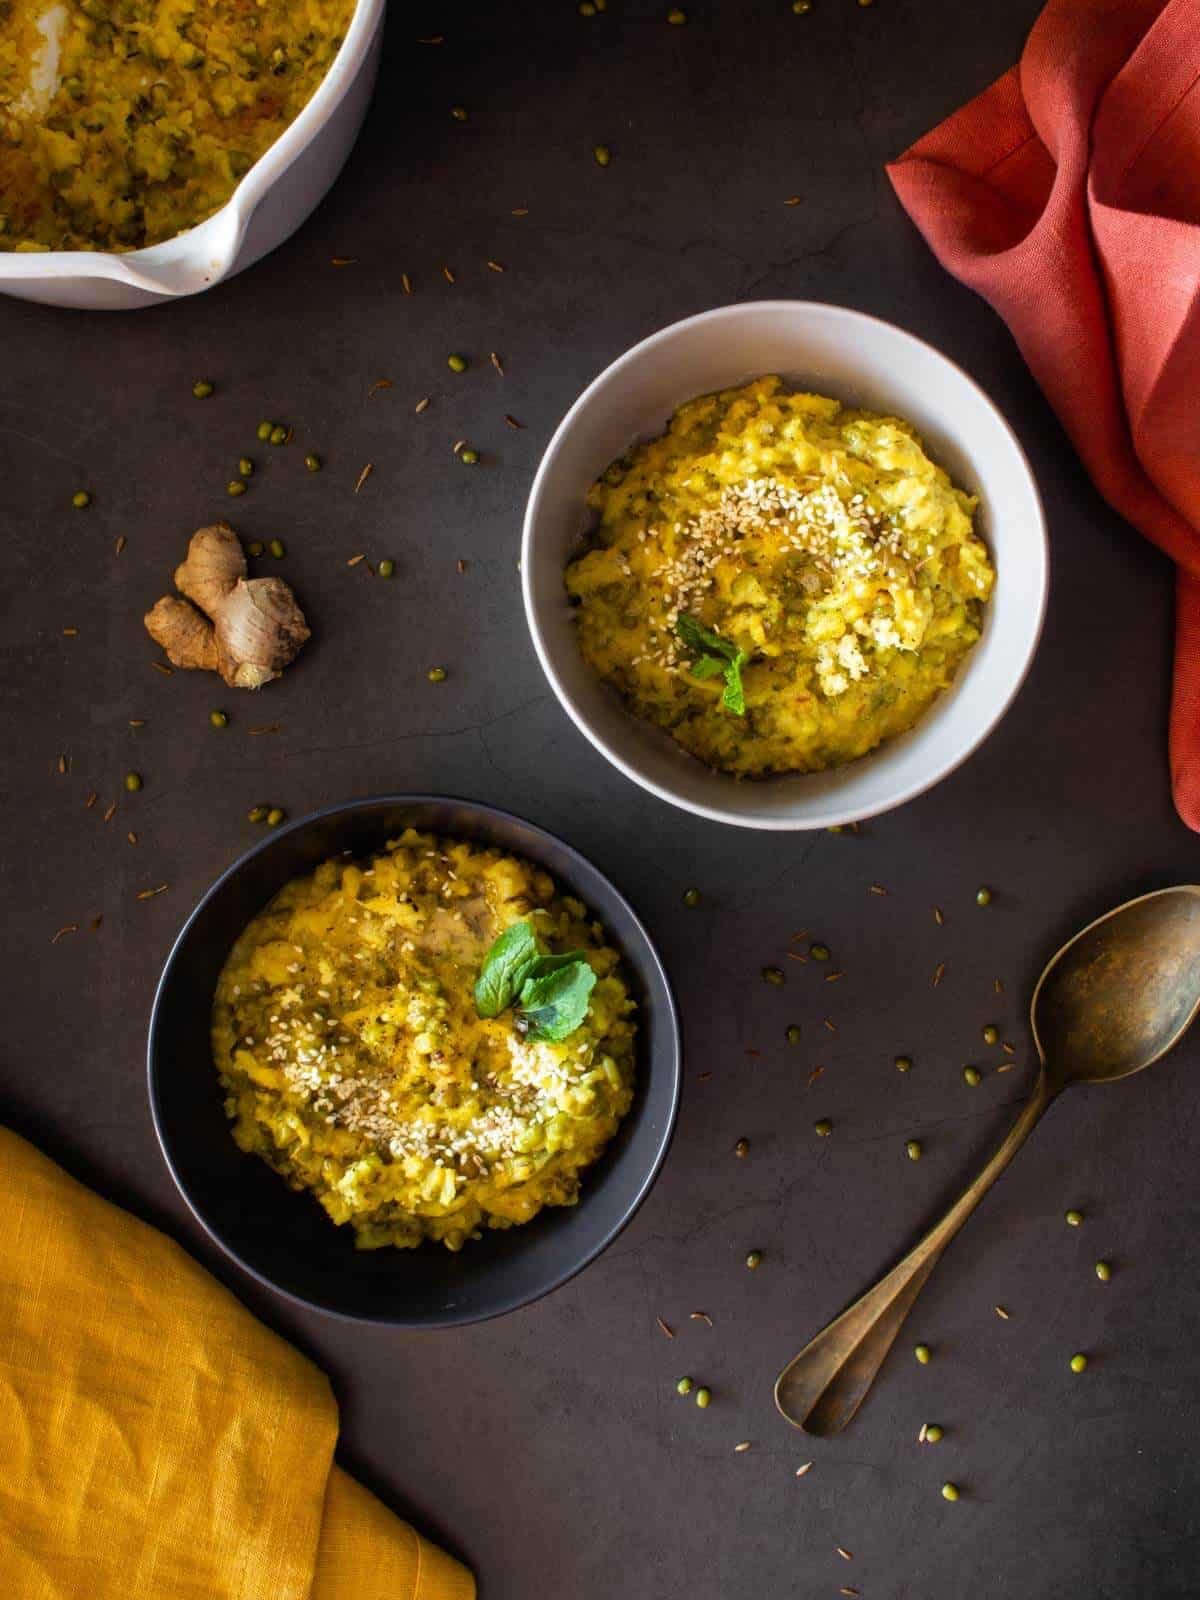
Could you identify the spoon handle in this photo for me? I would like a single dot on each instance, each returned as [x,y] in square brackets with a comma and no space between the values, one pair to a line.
[822,1387]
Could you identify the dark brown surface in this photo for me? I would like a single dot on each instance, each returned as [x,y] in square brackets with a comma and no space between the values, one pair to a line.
[549,1448]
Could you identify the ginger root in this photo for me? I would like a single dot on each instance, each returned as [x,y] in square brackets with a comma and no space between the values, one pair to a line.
[248,630]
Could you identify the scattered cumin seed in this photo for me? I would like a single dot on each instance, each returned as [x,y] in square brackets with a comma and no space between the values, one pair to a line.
[94,924]
[804,1468]
[496,362]
[70,633]
[740,1449]
[364,475]
[148,894]
[354,560]
[700,1316]
[792,200]
[343,261]
[421,405]
[520,211]
[132,837]
[434,38]
[834,977]
[110,813]
[512,421]
[459,444]
[496,266]
[406,283]
[937,916]
[665,1328]
[803,934]
[939,973]
[380,383]
[447,274]
[137,722]
[460,566]
[1009,1049]
[997,986]
[877,888]
[267,727]
[703,1077]
[1001,1313]
[847,1590]
[754,1052]
[1006,1066]
[120,544]
[70,927]
[91,800]
[62,764]
[795,955]
[161,666]
[813,1076]
[844,1553]
[832,1026]
[923,1432]
[370,569]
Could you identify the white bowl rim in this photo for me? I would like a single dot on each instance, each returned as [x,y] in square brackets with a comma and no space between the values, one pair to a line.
[136,267]
[837,816]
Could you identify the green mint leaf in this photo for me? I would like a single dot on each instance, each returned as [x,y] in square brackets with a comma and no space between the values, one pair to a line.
[504,970]
[709,667]
[542,966]
[734,698]
[555,1004]
[703,640]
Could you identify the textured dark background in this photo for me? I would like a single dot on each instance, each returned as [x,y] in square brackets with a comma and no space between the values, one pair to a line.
[549,1449]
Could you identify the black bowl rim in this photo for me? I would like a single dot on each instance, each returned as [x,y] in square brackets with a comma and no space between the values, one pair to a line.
[517,1302]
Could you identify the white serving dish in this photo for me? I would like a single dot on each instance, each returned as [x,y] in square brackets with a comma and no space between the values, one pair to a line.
[269,204]
[861,361]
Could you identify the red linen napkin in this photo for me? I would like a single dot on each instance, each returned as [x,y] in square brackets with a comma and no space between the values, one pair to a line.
[1068,195]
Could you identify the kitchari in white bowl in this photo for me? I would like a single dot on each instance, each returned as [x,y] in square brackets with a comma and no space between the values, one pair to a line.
[148,152]
[829,581]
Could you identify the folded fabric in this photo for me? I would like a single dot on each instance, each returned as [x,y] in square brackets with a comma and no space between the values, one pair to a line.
[1068,195]
[157,1440]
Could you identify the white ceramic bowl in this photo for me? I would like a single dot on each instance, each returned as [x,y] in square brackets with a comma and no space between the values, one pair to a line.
[861,361]
[272,200]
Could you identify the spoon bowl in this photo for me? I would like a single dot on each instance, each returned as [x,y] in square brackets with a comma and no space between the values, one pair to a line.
[1120,994]
[1113,1000]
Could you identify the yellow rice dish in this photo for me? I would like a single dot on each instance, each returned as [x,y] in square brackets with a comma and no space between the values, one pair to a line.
[125,122]
[356,1064]
[779,582]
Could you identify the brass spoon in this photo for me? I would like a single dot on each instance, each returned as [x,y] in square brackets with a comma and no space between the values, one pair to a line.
[1115,998]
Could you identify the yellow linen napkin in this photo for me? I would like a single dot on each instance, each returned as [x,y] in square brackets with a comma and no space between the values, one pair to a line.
[157,1442]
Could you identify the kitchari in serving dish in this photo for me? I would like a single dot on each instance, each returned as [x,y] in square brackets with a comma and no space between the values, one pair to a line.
[432,1042]
[126,122]
[779,582]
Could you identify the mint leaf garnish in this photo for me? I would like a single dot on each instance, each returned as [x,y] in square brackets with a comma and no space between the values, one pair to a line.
[715,656]
[504,970]
[554,1004]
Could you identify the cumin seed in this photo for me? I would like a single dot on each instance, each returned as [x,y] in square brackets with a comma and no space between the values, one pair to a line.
[740,1449]
[364,475]
[354,560]
[496,266]
[62,764]
[343,261]
[161,666]
[132,837]
[700,1316]
[937,916]
[804,1469]
[380,383]
[665,1328]
[939,973]
[845,1554]
[792,200]
[1001,1313]
[70,633]
[110,813]
[406,283]
[148,894]
[91,800]
[512,421]
[877,888]
[120,544]
[421,405]
[447,274]
[70,927]
[496,362]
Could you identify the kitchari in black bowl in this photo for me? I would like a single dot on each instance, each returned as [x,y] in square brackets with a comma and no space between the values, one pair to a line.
[283,1237]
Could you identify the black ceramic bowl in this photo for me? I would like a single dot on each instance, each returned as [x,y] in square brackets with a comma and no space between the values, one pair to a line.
[285,1239]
